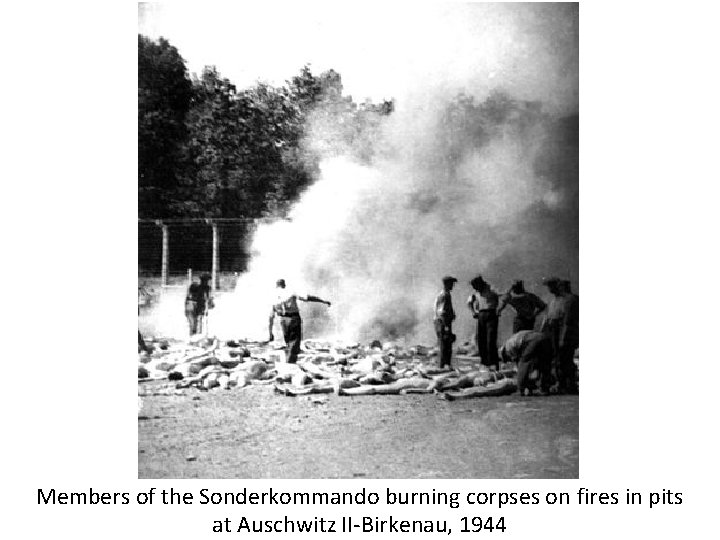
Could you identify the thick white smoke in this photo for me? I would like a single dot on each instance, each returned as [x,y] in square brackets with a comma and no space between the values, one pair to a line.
[483,181]
[375,240]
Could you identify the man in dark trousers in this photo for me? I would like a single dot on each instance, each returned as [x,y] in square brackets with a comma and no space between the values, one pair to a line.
[570,337]
[532,351]
[483,304]
[527,306]
[197,302]
[561,325]
[142,346]
[443,317]
[286,308]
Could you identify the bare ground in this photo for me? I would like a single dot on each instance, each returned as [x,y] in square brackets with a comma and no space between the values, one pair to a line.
[255,433]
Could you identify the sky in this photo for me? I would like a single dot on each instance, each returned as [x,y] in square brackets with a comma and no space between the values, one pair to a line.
[382,50]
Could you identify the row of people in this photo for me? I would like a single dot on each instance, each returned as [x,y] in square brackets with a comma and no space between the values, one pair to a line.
[554,344]
[550,351]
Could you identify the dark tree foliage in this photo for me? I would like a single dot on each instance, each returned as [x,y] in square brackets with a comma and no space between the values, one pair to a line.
[242,153]
[469,124]
[209,150]
[164,92]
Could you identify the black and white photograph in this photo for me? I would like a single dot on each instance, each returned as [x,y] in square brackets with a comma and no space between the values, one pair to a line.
[357,235]
[358,240]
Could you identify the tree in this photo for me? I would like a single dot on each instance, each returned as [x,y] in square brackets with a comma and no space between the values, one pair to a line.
[208,150]
[164,92]
[236,148]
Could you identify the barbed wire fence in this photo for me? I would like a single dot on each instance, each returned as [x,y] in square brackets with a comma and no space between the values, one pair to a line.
[172,251]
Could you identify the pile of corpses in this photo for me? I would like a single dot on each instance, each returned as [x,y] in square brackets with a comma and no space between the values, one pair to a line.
[323,368]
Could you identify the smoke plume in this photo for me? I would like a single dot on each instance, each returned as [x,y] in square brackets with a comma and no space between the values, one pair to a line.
[470,175]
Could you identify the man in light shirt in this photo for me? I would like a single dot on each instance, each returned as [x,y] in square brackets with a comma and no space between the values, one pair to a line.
[483,304]
[444,315]
[286,308]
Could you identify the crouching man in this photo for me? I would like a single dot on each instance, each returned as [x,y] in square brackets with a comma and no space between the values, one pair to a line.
[532,351]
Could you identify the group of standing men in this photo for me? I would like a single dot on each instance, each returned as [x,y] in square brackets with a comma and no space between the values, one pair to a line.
[549,351]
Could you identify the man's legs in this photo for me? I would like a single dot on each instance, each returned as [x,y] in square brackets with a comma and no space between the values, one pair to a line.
[192,322]
[292,332]
[190,315]
[444,343]
[552,332]
[141,343]
[524,367]
[199,323]
[438,332]
[491,326]
[567,368]
[482,338]
[544,357]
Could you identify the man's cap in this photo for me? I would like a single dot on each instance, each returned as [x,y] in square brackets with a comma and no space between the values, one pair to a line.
[449,279]
[280,282]
[205,278]
[518,284]
[477,282]
[553,280]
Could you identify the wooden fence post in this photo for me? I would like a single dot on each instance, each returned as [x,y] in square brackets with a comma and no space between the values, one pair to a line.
[215,256]
[165,253]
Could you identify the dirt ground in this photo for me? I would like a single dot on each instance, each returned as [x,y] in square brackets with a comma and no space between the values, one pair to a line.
[255,433]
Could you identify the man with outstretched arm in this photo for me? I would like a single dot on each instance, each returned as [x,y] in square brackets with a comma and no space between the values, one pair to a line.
[286,308]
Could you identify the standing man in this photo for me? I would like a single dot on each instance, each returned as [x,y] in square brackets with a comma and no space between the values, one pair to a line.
[197,302]
[570,336]
[527,306]
[142,295]
[531,350]
[287,309]
[483,304]
[443,317]
[561,325]
[142,346]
